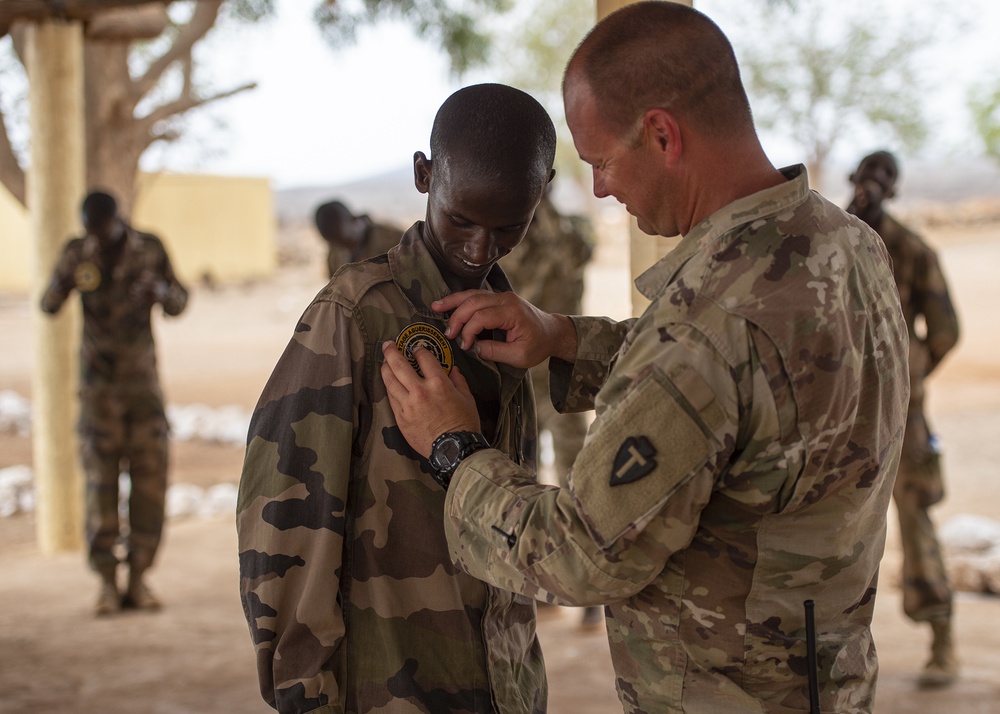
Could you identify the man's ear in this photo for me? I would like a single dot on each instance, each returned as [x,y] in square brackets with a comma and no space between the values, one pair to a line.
[664,132]
[421,172]
[552,175]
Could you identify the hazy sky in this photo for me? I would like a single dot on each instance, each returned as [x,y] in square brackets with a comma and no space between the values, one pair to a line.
[322,117]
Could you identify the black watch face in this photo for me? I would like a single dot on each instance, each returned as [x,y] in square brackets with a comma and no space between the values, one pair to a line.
[446,454]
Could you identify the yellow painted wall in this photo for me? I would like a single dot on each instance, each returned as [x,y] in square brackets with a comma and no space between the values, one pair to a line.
[217,225]
[15,245]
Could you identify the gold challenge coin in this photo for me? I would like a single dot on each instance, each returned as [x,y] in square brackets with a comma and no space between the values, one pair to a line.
[87,277]
[420,334]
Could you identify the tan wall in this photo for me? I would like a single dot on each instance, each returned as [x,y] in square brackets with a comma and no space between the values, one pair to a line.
[15,245]
[217,225]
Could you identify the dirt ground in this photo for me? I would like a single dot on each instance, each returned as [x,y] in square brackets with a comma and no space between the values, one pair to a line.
[195,655]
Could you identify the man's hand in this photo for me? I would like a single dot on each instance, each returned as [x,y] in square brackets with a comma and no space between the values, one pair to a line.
[147,290]
[426,407]
[532,335]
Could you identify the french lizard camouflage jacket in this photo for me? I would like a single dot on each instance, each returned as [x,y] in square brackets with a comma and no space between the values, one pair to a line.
[117,345]
[352,600]
[747,433]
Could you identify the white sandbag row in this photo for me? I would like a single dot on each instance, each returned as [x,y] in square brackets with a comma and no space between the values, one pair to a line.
[184,500]
[223,425]
[971,549]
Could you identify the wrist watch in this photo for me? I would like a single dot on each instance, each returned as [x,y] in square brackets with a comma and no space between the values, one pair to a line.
[449,449]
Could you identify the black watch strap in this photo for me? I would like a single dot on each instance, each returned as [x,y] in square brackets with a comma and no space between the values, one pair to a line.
[449,449]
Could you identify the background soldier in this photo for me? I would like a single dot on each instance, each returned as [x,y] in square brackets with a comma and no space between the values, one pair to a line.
[547,270]
[351,238]
[923,294]
[120,274]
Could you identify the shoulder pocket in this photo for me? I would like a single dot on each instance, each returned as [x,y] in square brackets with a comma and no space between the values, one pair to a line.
[654,440]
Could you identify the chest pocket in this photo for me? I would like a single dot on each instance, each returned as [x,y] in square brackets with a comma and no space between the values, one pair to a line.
[644,448]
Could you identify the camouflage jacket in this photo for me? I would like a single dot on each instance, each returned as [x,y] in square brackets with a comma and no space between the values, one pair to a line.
[117,346]
[747,433]
[547,269]
[379,239]
[352,600]
[923,293]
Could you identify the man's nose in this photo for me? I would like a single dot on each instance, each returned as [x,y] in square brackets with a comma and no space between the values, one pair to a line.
[482,248]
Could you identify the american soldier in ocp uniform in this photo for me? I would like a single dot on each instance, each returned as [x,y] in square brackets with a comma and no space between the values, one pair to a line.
[119,273]
[748,424]
[352,600]
[932,325]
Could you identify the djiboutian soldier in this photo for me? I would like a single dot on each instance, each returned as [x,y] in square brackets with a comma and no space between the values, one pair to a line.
[933,329]
[120,274]
[352,600]
[351,238]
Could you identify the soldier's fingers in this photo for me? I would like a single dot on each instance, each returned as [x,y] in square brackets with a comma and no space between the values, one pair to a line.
[429,365]
[401,372]
[450,302]
[466,319]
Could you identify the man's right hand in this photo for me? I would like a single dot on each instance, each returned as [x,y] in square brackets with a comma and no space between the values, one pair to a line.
[532,335]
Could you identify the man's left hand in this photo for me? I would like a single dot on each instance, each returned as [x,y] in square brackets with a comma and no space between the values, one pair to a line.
[426,407]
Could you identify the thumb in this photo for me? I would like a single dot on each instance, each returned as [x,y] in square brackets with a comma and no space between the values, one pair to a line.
[504,352]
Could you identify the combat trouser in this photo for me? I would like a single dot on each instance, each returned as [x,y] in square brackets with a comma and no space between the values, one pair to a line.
[124,428]
[919,485]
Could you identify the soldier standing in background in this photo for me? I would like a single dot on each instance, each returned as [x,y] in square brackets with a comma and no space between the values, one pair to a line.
[933,329]
[351,238]
[120,274]
[547,270]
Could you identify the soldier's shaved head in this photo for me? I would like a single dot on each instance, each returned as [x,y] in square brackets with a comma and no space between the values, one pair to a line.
[665,55]
[495,130]
[98,207]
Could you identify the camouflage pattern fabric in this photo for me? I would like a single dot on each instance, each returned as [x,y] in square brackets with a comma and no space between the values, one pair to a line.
[547,270]
[379,239]
[742,459]
[923,294]
[346,582]
[122,419]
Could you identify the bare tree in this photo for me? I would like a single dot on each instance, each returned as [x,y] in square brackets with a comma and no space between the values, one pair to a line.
[140,70]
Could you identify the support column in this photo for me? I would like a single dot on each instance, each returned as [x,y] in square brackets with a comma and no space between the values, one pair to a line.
[55,186]
[644,250]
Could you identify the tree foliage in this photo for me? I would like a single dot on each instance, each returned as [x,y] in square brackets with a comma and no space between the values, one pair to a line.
[824,73]
[984,103]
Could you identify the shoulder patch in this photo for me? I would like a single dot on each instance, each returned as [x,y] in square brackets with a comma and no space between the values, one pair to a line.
[633,460]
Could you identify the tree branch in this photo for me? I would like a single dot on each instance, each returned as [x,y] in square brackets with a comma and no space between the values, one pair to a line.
[186,102]
[202,20]
[11,173]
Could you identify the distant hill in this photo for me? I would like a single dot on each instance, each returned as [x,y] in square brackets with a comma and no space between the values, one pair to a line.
[392,198]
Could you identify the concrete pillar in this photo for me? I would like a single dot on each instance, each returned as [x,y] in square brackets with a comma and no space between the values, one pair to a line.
[55,186]
[644,250]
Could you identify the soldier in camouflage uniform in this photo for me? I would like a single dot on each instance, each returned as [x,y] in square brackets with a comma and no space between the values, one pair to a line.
[547,270]
[352,600]
[924,296]
[120,274]
[748,424]
[350,238]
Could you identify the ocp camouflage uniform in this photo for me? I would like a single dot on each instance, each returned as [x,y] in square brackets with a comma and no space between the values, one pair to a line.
[352,601]
[547,270]
[924,296]
[748,429]
[379,239]
[122,418]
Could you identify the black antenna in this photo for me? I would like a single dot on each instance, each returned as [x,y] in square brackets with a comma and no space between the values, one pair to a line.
[811,658]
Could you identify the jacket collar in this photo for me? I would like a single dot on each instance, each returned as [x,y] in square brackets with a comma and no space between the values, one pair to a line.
[757,206]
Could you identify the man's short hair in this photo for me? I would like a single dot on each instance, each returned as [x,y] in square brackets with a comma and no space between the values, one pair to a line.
[330,217]
[495,129]
[667,55]
[98,207]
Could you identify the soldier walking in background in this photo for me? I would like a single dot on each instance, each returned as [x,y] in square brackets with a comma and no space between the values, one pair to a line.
[120,273]
[351,238]
[547,270]
[933,329]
